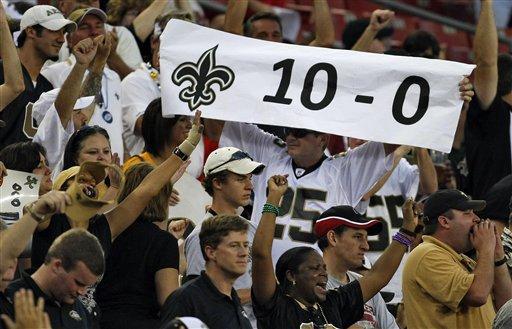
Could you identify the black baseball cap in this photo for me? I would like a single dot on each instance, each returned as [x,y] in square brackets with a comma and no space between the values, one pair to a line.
[443,200]
[335,217]
[355,29]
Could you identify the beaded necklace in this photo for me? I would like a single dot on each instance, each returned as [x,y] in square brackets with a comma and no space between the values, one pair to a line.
[153,74]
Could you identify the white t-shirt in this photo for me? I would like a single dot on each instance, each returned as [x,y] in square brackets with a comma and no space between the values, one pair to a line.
[376,314]
[196,262]
[138,89]
[109,115]
[54,137]
[387,204]
[127,47]
[337,181]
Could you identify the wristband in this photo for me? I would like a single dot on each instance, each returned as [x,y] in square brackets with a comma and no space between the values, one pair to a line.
[267,207]
[500,262]
[402,239]
[37,217]
[405,231]
[180,154]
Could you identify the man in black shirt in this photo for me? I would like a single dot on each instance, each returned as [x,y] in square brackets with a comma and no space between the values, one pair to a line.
[74,262]
[211,297]
[42,35]
[488,137]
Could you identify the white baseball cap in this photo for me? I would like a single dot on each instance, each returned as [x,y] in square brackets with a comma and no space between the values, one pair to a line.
[231,159]
[48,17]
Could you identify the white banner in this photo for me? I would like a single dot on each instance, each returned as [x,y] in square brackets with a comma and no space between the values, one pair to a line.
[393,99]
[18,189]
[193,200]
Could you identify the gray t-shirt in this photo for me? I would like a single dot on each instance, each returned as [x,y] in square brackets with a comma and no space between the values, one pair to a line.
[375,315]
[196,262]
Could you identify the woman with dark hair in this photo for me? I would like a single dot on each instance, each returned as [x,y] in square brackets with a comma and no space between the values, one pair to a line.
[161,135]
[28,157]
[143,263]
[299,295]
[106,227]
[89,143]
[92,143]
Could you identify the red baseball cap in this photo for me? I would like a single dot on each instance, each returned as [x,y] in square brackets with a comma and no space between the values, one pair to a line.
[345,216]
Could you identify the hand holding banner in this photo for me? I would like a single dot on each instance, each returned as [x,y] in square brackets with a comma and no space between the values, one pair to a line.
[393,99]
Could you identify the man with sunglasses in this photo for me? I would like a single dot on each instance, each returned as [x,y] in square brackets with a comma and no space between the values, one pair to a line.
[316,181]
[228,180]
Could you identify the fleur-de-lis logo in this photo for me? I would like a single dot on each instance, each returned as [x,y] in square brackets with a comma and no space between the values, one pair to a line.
[201,77]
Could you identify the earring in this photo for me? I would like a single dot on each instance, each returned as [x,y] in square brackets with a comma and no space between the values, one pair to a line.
[293,283]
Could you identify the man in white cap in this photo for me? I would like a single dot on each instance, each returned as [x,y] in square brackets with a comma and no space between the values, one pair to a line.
[103,82]
[42,35]
[228,172]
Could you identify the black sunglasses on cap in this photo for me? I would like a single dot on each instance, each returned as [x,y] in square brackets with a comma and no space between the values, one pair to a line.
[238,155]
[298,133]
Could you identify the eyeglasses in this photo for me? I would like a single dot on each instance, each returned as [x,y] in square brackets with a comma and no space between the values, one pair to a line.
[238,155]
[298,133]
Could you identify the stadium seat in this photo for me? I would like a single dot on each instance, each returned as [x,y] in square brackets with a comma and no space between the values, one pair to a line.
[445,34]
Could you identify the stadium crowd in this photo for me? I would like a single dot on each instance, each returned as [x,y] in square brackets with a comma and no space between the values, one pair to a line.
[304,229]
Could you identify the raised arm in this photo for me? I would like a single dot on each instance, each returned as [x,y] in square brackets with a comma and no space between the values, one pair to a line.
[485,47]
[398,154]
[324,27]
[84,51]
[263,277]
[379,19]
[114,60]
[92,83]
[428,175]
[130,208]
[13,77]
[235,14]
[144,23]
[185,6]
[15,238]
[388,262]
[483,240]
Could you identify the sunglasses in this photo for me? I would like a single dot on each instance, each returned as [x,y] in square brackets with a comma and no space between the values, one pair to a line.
[238,155]
[298,133]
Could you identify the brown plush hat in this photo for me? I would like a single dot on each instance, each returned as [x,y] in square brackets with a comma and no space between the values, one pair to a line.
[83,206]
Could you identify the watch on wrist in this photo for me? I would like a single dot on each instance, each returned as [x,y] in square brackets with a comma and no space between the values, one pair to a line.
[501,261]
[37,217]
[180,154]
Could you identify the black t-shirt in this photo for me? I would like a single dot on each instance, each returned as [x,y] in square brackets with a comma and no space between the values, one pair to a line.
[6,307]
[61,315]
[19,125]
[487,146]
[42,240]
[343,307]
[201,299]
[127,293]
